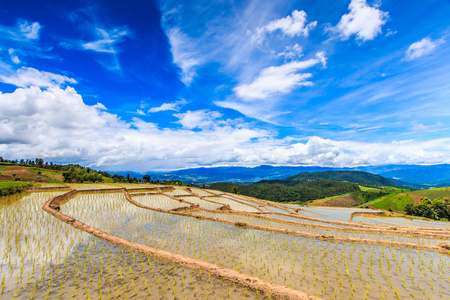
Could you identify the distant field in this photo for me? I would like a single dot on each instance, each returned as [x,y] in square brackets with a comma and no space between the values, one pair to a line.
[395,202]
[14,172]
[345,200]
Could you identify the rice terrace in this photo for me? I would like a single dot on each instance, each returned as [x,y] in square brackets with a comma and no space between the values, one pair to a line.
[160,241]
[225,150]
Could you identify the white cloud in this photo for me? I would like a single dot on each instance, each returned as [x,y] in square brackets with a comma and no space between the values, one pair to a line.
[14,58]
[107,40]
[26,77]
[175,106]
[421,48]
[293,25]
[29,31]
[279,80]
[291,52]
[198,119]
[183,56]
[363,20]
[57,125]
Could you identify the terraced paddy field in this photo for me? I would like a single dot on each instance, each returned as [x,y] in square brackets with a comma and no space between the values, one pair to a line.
[157,242]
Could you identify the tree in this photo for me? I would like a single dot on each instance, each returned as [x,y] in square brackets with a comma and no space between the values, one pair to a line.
[234,189]
[40,162]
[146,178]
[203,186]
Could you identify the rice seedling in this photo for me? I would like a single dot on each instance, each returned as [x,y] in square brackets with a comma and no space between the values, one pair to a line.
[49,259]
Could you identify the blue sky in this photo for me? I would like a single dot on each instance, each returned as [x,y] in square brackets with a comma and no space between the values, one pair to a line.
[147,86]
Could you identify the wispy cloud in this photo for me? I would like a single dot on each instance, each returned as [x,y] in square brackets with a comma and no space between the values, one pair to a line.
[14,58]
[291,52]
[107,40]
[24,31]
[29,30]
[279,79]
[183,54]
[27,77]
[363,21]
[175,106]
[421,48]
[22,40]
[293,25]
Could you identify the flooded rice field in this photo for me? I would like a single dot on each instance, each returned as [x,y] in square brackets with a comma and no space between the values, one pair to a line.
[262,253]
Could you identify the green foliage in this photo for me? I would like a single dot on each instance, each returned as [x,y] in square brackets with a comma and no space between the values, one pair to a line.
[362,178]
[234,189]
[12,187]
[300,192]
[80,175]
[392,201]
[368,195]
[437,209]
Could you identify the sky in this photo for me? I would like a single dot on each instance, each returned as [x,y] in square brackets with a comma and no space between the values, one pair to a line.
[158,86]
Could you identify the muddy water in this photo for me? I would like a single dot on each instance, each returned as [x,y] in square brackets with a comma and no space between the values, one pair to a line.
[43,258]
[342,270]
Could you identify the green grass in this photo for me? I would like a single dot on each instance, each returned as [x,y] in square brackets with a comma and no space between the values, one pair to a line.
[392,201]
[437,193]
[369,189]
[12,187]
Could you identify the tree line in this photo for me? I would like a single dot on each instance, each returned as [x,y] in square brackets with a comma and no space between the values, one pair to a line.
[302,192]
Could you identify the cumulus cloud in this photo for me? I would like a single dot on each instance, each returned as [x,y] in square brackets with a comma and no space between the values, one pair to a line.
[198,119]
[293,25]
[363,21]
[57,125]
[175,106]
[421,48]
[279,79]
[26,77]
[183,56]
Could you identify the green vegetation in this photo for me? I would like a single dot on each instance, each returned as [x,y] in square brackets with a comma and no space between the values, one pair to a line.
[437,209]
[392,202]
[11,187]
[300,192]
[362,178]
[81,175]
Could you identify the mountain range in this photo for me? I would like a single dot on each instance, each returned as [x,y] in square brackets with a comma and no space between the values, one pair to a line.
[417,176]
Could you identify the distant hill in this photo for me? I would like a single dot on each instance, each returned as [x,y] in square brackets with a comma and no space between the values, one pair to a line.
[308,186]
[405,175]
[244,175]
[349,176]
[300,192]
[436,175]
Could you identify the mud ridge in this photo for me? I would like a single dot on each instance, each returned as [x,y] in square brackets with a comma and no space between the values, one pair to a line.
[275,291]
[427,247]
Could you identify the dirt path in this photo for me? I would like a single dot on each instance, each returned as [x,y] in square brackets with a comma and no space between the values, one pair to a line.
[275,291]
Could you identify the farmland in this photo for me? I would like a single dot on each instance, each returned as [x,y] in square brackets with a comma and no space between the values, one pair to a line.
[119,241]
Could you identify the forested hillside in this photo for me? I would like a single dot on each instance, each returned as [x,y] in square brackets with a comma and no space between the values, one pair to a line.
[350,176]
[277,191]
